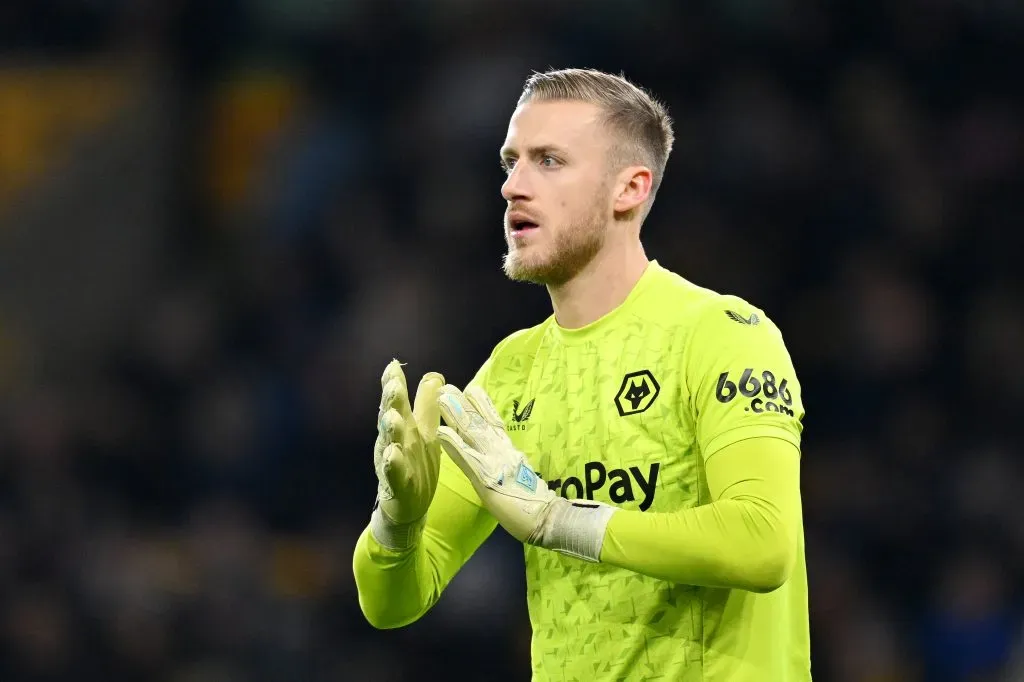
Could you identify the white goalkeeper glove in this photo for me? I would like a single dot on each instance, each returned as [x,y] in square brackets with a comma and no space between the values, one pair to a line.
[518,498]
[406,457]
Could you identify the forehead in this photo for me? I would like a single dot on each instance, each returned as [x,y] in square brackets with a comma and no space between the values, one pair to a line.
[566,124]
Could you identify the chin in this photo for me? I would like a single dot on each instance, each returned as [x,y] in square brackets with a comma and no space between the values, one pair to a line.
[534,270]
[522,268]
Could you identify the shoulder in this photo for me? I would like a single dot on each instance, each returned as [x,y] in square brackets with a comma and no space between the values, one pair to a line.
[708,325]
[729,314]
[677,301]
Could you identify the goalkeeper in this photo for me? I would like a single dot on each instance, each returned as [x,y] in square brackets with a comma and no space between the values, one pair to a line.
[643,442]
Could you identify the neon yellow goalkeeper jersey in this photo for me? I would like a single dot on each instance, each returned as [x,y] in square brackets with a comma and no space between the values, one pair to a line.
[626,410]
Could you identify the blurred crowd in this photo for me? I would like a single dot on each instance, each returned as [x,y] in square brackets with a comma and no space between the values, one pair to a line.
[183,506]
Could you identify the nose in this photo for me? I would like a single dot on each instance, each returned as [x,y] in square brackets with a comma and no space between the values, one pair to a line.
[516,185]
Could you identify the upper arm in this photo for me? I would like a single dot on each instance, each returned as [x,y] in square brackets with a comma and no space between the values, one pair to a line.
[741,378]
[763,474]
[766,469]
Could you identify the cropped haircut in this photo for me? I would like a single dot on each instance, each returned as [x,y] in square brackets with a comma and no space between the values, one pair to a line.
[641,123]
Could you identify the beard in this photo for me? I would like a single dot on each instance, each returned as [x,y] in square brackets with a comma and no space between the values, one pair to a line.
[573,249]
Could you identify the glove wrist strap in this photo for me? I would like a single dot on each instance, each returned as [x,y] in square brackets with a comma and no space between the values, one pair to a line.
[576,528]
[394,536]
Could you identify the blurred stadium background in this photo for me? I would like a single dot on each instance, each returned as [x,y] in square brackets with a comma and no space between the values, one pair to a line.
[219,221]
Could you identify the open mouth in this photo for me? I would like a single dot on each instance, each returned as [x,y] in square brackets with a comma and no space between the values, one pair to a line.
[523,225]
[519,224]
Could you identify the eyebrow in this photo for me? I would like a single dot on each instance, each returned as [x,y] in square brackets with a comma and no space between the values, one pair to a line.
[533,152]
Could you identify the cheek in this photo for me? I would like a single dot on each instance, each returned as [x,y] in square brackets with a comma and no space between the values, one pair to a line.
[573,197]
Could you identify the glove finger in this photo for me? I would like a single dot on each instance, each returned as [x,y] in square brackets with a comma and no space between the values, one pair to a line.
[395,392]
[454,407]
[394,466]
[378,451]
[392,427]
[463,417]
[392,371]
[390,431]
[475,465]
[485,406]
[426,411]
[386,470]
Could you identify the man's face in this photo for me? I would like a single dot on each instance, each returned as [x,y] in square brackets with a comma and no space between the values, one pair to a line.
[558,190]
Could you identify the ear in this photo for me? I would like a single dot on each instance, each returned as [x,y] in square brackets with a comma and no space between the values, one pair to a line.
[634,188]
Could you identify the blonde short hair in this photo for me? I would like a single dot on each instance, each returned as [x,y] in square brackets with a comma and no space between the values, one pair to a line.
[642,123]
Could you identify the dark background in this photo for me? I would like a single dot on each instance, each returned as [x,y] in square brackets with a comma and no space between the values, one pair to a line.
[220,220]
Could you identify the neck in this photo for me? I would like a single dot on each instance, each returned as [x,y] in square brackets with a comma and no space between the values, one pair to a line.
[601,286]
